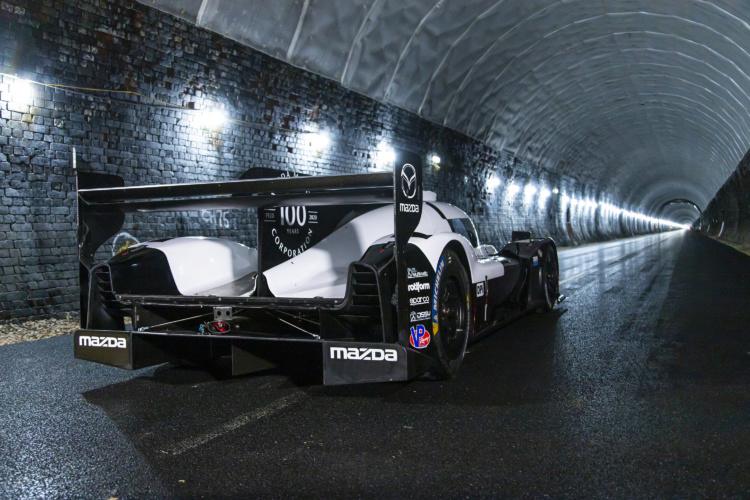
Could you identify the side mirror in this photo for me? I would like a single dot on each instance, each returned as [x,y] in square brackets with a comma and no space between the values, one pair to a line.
[484,251]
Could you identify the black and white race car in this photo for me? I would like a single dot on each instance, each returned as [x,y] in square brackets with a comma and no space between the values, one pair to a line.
[365,276]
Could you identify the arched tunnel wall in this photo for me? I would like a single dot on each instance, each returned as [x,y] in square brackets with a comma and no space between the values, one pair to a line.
[727,216]
[129,47]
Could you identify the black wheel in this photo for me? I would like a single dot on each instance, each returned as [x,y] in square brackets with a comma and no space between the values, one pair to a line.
[550,278]
[451,332]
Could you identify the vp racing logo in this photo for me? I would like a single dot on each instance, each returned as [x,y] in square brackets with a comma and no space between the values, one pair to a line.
[88,341]
[408,180]
[419,337]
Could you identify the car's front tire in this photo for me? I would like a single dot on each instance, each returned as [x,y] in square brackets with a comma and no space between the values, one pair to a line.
[454,318]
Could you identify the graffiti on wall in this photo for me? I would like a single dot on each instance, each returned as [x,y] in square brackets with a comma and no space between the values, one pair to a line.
[216,218]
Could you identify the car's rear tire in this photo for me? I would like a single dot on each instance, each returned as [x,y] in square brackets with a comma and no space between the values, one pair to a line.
[550,278]
[455,321]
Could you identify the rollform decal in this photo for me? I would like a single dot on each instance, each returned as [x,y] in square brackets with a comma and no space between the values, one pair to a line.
[418,287]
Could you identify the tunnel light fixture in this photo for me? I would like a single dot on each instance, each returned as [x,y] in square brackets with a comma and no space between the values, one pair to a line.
[435,159]
[318,141]
[544,193]
[21,91]
[528,192]
[513,190]
[493,182]
[384,156]
[555,191]
[213,119]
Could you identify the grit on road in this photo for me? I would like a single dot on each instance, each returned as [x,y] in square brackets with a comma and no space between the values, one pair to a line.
[637,386]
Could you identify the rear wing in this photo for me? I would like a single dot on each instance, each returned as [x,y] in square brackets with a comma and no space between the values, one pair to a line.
[103,202]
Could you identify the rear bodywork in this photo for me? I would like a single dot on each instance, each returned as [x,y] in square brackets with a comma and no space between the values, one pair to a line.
[340,280]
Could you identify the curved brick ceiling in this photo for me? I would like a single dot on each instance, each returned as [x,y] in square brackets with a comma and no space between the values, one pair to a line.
[646,100]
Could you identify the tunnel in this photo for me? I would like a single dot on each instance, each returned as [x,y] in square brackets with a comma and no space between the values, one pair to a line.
[615,131]
[582,121]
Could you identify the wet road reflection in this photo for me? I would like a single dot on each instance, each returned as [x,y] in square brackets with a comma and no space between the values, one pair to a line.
[637,386]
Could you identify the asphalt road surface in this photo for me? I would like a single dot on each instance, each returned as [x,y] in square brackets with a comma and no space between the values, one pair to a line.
[637,386]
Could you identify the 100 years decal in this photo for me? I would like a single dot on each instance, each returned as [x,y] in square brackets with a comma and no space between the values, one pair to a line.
[292,233]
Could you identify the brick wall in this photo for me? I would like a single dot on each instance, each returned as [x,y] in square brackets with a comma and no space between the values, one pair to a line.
[126,46]
[727,215]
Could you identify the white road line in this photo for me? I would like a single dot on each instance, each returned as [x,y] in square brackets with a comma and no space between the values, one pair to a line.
[235,423]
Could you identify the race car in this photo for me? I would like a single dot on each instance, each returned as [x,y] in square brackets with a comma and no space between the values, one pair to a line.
[366,276]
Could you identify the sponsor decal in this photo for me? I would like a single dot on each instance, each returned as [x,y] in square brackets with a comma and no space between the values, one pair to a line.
[420,337]
[414,274]
[292,234]
[409,180]
[417,301]
[436,294]
[480,289]
[364,354]
[418,287]
[88,341]
[415,316]
[408,207]
[536,260]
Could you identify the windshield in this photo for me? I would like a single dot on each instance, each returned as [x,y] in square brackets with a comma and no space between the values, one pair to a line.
[465,228]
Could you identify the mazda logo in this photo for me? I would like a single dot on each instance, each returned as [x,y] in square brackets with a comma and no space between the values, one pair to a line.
[408,180]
